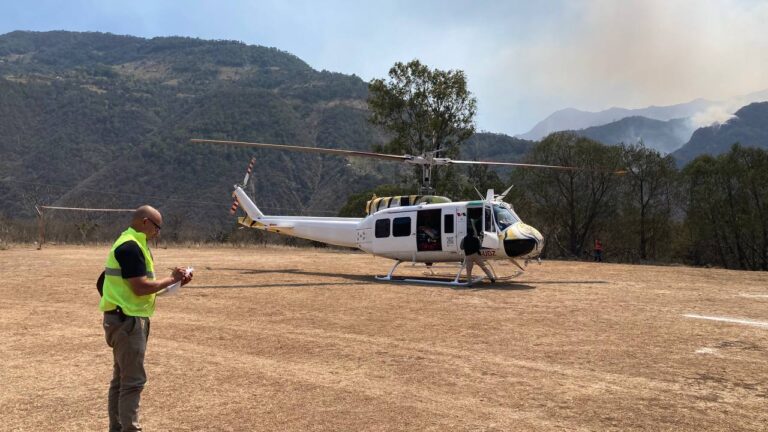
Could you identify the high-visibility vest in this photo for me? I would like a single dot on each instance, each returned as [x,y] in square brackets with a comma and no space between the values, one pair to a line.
[117,291]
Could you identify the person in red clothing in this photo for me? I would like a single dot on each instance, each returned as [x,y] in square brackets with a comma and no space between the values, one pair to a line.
[598,250]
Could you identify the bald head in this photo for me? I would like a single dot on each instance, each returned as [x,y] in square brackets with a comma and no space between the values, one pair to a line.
[148,220]
[146,211]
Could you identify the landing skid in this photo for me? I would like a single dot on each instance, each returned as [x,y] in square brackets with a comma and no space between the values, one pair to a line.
[455,282]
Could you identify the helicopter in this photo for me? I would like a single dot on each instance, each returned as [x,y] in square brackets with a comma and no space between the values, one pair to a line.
[423,228]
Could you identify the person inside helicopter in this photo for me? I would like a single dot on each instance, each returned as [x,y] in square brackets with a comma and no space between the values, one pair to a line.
[475,222]
[504,216]
[428,230]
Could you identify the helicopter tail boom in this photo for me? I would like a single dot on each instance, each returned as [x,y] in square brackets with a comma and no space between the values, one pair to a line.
[331,230]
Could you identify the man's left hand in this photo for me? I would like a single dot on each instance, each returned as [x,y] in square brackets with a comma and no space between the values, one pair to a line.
[186,279]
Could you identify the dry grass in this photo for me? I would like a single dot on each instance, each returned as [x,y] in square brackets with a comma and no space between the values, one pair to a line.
[302,339]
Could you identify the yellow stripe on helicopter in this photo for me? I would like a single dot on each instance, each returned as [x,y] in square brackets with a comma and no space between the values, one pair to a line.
[271,227]
[379,203]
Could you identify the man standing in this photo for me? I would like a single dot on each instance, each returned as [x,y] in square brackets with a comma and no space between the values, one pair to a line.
[128,302]
[471,246]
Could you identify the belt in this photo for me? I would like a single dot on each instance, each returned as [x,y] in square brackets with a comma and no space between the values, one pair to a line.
[117,311]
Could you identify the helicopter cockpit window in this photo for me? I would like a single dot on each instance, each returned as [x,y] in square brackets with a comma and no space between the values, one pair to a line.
[382,228]
[504,217]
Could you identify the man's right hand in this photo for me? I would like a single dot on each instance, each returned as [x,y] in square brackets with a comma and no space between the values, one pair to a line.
[178,274]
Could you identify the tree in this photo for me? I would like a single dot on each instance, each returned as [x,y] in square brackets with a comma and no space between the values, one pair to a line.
[648,187]
[423,110]
[707,235]
[727,215]
[86,227]
[574,204]
[481,178]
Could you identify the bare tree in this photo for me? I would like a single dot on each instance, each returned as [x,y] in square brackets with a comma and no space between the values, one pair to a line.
[572,205]
[649,182]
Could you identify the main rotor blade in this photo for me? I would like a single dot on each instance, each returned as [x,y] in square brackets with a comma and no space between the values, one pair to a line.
[525,165]
[307,149]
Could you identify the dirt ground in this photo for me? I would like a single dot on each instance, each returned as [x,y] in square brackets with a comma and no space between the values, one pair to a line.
[287,339]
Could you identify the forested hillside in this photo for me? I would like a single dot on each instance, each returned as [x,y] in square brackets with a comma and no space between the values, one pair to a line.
[712,212]
[93,119]
[664,136]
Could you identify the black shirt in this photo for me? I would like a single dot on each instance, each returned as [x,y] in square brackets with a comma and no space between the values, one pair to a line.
[471,245]
[131,259]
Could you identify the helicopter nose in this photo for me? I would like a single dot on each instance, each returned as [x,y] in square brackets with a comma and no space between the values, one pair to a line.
[521,240]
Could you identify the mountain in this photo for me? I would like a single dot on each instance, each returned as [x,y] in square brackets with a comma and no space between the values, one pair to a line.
[664,136]
[748,127]
[574,119]
[496,147]
[701,112]
[102,120]
[95,119]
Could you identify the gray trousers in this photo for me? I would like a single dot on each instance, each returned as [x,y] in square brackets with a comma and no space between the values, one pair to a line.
[471,260]
[128,338]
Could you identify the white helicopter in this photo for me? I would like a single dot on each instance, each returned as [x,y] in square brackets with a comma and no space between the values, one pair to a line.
[409,228]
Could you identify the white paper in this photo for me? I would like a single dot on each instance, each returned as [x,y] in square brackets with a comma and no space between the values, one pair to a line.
[174,289]
[170,290]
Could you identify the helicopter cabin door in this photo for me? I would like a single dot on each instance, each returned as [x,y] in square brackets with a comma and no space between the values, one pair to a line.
[460,226]
[450,236]
[490,236]
[395,235]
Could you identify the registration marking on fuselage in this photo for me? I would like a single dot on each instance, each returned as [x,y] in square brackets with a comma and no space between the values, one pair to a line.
[761,324]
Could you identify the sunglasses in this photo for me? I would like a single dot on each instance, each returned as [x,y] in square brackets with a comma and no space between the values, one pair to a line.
[155,224]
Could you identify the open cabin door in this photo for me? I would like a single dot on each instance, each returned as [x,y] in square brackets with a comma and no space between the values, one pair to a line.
[428,230]
[490,236]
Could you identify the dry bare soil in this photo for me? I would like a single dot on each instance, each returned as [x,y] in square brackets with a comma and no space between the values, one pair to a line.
[303,339]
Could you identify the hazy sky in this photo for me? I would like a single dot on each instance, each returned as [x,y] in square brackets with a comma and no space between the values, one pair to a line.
[523,60]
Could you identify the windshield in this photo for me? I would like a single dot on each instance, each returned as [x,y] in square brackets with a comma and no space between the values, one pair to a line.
[504,216]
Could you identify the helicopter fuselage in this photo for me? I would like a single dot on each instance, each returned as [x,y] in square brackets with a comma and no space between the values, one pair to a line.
[425,233]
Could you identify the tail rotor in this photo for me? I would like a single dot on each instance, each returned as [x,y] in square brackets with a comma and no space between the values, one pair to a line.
[235,205]
[235,202]
[249,171]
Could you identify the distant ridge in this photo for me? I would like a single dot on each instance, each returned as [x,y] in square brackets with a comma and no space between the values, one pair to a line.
[748,127]
[702,112]
[574,119]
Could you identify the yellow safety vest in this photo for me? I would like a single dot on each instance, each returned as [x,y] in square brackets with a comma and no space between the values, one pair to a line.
[117,291]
